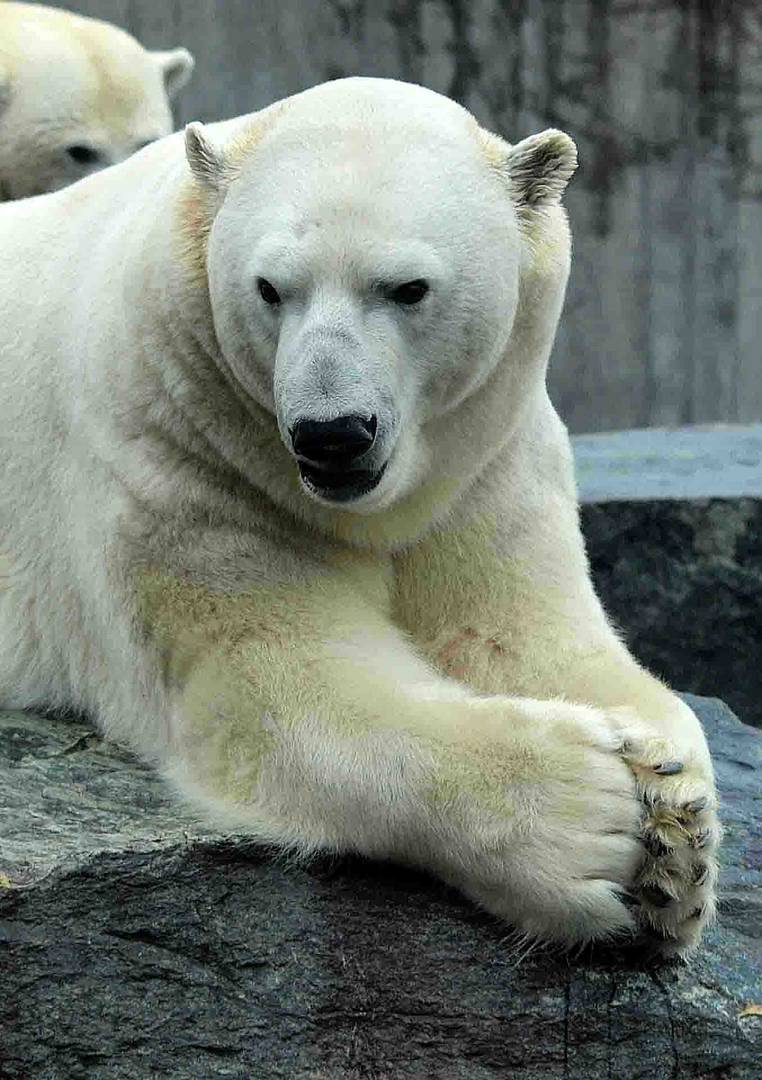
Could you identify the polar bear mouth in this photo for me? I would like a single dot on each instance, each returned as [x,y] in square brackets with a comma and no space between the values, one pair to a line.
[343,485]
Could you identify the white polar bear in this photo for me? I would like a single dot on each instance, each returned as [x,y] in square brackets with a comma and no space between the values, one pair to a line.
[284,503]
[76,95]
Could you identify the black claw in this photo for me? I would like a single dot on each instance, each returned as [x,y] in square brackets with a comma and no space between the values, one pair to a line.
[701,838]
[656,896]
[668,768]
[696,805]
[655,846]
[697,913]
[700,874]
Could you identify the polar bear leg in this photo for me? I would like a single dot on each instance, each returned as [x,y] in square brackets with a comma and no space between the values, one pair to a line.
[503,601]
[302,715]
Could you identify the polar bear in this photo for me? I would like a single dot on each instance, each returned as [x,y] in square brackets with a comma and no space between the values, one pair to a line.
[285,505]
[76,94]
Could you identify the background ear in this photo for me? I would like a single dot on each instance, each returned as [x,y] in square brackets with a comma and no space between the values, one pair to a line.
[539,168]
[207,162]
[176,67]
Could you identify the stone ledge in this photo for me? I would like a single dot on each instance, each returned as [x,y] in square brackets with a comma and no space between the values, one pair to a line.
[718,461]
[683,581]
[137,946]
[673,524]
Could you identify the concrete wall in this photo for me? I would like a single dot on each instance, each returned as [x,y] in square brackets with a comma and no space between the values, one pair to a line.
[663,323]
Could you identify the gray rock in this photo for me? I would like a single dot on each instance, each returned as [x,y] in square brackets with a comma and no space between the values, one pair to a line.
[133,945]
[673,524]
[683,581]
[722,462]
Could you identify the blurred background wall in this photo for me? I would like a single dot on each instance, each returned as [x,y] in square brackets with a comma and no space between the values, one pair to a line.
[663,320]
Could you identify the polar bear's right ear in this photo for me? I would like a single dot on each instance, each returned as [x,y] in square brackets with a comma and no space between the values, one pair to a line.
[207,162]
[540,167]
[176,67]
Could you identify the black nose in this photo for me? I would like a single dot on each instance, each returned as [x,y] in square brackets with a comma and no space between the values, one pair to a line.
[335,443]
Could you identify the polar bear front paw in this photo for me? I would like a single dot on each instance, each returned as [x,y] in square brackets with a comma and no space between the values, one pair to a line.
[559,861]
[680,833]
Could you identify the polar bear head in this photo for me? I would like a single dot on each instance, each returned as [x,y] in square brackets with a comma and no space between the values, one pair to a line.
[385,278]
[76,94]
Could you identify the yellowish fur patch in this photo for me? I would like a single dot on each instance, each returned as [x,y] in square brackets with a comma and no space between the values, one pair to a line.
[193,222]
[253,665]
[196,207]
[505,624]
[188,620]
[546,230]
[494,149]
[402,523]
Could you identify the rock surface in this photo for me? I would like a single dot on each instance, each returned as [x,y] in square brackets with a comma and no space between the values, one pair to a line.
[133,945]
[718,461]
[673,522]
[683,581]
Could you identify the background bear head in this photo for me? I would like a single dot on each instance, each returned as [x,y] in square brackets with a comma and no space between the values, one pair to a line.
[76,95]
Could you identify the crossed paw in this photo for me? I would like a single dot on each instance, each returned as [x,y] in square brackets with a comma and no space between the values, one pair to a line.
[608,831]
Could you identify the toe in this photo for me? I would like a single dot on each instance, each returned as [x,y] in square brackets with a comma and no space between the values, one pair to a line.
[675,884]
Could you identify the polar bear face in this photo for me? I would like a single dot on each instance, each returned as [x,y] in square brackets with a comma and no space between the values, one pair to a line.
[76,95]
[364,272]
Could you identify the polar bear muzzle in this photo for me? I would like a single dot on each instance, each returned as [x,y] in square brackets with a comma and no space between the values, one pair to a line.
[333,456]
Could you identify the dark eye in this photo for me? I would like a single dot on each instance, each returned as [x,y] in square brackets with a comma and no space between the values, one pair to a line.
[83,155]
[267,291]
[412,292]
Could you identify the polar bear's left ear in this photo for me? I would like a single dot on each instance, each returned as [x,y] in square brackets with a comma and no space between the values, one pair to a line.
[207,161]
[540,167]
[176,67]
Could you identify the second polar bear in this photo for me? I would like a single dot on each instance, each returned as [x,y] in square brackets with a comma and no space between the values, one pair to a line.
[76,94]
[285,505]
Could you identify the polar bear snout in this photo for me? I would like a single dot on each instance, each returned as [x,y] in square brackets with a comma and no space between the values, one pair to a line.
[338,410]
[334,444]
[334,459]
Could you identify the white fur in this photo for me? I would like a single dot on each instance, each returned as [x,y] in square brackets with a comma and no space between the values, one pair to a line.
[69,82]
[424,673]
